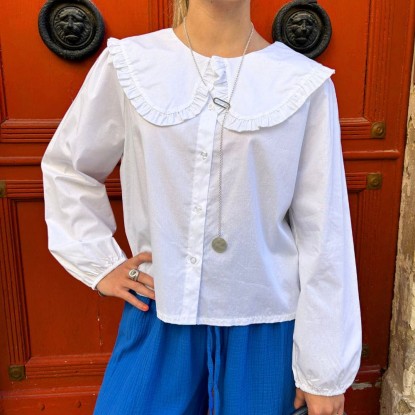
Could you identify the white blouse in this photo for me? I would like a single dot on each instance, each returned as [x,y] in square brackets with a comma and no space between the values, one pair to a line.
[285,205]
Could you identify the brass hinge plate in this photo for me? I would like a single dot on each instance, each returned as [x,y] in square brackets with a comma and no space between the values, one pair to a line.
[378,129]
[17,372]
[2,188]
[373,181]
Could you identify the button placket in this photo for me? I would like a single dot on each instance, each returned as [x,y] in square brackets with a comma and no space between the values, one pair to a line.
[193,260]
[197,209]
[196,232]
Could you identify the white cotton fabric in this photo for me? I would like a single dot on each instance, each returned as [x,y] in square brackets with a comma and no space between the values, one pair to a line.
[285,205]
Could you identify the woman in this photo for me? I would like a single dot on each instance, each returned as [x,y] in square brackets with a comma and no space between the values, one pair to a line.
[242,292]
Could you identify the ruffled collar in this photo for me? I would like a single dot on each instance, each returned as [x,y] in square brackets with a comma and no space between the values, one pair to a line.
[158,75]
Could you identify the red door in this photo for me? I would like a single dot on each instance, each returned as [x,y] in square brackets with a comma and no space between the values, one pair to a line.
[56,334]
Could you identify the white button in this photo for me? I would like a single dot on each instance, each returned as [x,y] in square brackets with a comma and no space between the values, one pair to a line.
[204,155]
[193,260]
[211,106]
[197,209]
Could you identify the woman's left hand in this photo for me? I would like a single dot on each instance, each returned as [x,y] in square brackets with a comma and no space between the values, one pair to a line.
[319,404]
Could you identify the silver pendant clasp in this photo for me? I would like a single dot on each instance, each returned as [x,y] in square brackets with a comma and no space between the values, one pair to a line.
[222,103]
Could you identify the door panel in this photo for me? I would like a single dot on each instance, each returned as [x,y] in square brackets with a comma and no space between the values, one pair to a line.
[56,333]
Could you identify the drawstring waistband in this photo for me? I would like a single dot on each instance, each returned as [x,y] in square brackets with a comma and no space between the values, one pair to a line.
[213,336]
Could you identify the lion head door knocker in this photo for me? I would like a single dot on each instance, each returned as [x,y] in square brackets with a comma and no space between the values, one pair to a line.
[304,26]
[71,29]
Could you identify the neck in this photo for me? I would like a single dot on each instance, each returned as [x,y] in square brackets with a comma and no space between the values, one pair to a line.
[218,27]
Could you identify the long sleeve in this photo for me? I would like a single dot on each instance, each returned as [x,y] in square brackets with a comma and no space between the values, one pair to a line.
[328,335]
[83,151]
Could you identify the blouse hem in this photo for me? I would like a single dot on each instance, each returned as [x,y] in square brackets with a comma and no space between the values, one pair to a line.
[174,319]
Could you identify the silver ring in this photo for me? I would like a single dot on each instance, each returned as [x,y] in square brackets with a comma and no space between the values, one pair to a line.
[134,274]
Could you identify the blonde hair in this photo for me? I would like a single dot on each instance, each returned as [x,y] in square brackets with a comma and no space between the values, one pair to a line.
[180,8]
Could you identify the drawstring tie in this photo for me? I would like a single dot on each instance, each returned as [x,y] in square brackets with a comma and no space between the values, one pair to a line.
[213,367]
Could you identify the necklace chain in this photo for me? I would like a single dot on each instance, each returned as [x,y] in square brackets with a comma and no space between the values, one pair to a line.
[219,244]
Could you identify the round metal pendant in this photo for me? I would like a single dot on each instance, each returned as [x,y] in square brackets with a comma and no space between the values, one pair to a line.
[219,244]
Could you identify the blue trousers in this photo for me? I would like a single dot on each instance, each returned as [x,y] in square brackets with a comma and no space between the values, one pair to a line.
[159,368]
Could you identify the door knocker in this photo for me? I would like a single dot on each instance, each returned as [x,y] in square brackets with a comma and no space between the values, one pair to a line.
[304,26]
[72,29]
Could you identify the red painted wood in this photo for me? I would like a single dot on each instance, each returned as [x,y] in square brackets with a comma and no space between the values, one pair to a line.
[61,331]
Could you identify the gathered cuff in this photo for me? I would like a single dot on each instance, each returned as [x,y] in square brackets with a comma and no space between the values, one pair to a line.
[106,272]
[91,261]
[315,390]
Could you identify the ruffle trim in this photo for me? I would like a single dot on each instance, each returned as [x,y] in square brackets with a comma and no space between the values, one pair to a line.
[305,86]
[301,91]
[135,94]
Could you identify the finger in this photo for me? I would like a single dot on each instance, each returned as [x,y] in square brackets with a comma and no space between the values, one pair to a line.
[127,296]
[299,399]
[143,278]
[146,279]
[141,258]
[141,289]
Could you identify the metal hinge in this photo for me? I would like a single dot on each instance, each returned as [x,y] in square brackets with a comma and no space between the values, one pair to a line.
[378,129]
[373,181]
[2,188]
[17,372]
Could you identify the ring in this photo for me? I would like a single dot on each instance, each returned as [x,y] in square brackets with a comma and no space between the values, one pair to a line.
[133,274]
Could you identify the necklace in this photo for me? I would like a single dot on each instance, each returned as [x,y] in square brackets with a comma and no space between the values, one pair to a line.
[219,244]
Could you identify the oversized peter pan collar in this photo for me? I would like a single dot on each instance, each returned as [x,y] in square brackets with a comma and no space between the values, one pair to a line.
[158,75]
